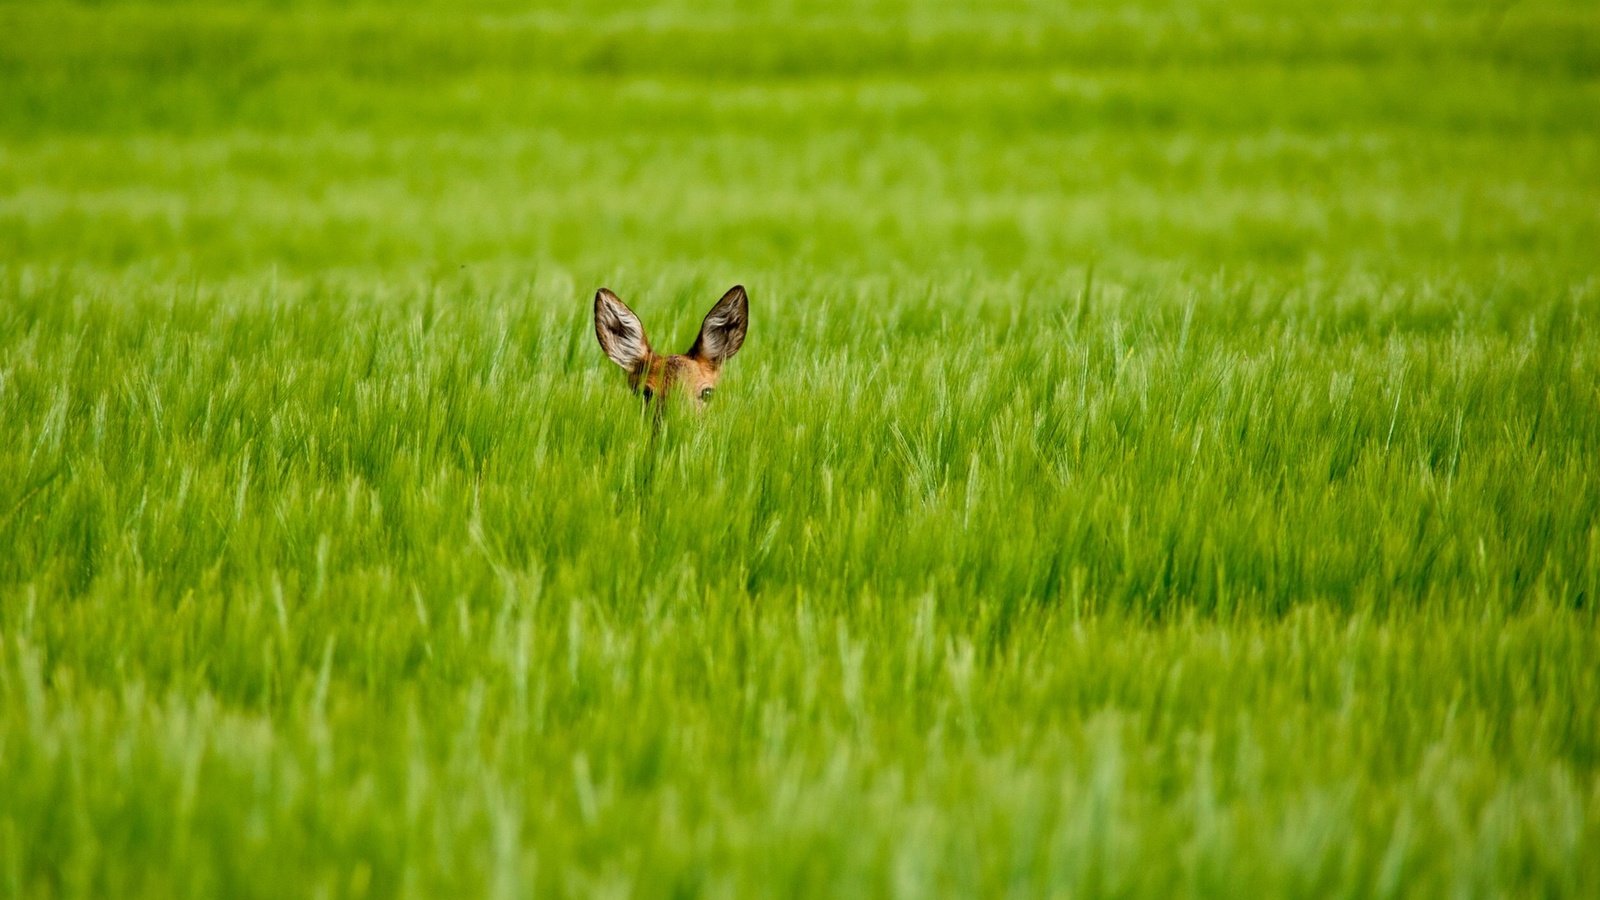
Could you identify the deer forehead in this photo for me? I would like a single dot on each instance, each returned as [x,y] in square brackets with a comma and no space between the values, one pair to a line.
[662,371]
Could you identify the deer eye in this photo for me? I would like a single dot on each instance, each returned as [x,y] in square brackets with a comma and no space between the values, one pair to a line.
[705,394]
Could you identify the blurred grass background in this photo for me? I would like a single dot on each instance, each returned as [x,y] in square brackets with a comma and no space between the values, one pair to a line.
[215,139]
[1162,463]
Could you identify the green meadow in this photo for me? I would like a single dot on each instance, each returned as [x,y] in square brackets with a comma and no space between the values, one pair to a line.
[1165,460]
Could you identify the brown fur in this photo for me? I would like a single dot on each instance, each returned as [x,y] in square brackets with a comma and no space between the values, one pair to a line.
[656,376]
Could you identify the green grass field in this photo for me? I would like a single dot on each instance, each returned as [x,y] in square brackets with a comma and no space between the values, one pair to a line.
[1165,460]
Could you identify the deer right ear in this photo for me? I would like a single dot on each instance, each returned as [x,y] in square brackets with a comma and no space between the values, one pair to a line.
[722,333]
[619,331]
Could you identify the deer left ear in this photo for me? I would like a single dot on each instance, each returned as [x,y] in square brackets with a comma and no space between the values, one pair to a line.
[620,334]
[722,332]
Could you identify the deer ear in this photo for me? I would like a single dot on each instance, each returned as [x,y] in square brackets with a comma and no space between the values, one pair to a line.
[620,332]
[722,332]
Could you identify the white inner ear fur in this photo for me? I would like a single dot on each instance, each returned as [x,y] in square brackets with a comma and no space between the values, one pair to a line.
[722,332]
[620,332]
[718,331]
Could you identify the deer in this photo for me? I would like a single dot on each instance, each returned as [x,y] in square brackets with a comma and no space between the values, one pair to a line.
[654,376]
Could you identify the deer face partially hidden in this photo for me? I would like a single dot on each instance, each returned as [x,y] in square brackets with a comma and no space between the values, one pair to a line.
[652,375]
